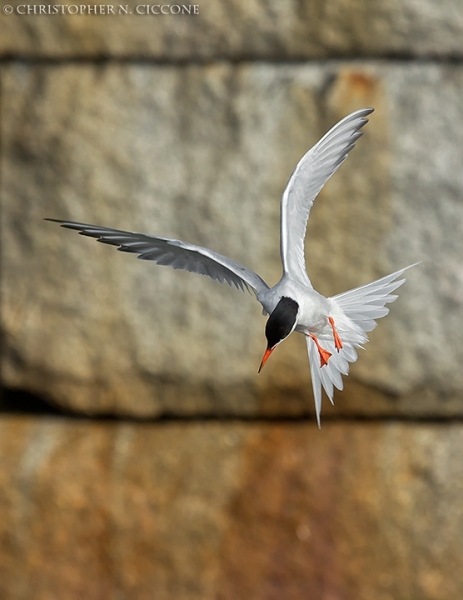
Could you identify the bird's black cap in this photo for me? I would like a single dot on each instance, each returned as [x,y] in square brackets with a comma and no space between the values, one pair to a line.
[281,321]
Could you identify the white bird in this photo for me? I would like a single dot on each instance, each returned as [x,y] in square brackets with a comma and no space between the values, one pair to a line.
[333,327]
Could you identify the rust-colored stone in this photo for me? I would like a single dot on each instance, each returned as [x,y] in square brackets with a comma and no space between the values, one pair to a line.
[207,511]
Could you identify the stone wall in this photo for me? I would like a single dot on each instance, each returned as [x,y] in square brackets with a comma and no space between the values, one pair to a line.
[213,482]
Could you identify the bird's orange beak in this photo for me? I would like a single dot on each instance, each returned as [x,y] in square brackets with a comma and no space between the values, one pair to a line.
[265,358]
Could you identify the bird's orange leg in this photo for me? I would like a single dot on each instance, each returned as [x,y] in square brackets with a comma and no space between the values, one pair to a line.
[337,339]
[324,354]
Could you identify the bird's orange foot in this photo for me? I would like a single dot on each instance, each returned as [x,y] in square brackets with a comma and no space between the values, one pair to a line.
[337,339]
[324,354]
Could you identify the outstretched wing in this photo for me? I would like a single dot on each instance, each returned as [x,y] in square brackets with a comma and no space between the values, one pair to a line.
[173,253]
[361,305]
[310,175]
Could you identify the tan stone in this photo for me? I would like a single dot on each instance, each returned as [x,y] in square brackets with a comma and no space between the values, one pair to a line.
[203,154]
[207,510]
[241,29]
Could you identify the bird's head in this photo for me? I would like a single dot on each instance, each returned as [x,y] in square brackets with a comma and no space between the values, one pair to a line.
[280,324]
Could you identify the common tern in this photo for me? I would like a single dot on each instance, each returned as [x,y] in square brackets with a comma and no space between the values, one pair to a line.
[333,327]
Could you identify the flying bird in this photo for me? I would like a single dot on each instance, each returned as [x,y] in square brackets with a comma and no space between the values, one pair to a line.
[333,327]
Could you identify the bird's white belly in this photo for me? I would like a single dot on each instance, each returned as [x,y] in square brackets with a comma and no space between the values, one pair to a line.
[313,316]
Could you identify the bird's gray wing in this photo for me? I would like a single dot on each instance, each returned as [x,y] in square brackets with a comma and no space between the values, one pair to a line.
[173,253]
[310,175]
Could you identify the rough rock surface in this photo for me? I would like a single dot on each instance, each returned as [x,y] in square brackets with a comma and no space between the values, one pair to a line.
[241,29]
[203,154]
[206,511]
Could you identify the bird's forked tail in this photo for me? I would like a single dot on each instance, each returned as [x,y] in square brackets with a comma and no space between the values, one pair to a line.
[361,306]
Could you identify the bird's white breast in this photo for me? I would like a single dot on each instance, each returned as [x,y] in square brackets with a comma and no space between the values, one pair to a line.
[313,307]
